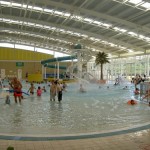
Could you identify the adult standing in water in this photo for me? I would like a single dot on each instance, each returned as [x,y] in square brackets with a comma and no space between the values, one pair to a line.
[58,90]
[52,91]
[17,86]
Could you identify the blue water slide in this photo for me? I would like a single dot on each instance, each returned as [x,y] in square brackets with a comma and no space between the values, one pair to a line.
[58,59]
[53,66]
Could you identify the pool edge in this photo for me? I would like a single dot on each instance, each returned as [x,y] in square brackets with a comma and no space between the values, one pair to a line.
[74,137]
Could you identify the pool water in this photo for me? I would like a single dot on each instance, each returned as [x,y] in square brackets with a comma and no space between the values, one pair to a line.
[99,109]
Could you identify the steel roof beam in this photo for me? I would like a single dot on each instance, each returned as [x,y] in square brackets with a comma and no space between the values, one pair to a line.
[96,14]
[76,30]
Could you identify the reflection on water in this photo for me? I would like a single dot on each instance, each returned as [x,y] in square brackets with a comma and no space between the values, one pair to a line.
[94,111]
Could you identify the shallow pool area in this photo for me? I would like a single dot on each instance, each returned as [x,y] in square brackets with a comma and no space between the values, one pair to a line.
[97,110]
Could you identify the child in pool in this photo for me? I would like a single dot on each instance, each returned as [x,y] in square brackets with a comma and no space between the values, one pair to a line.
[31,89]
[39,91]
[82,90]
[44,89]
[125,88]
[132,102]
[7,101]
[137,91]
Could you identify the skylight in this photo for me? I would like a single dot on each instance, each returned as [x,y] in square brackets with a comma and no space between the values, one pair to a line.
[4,3]
[135,1]
[130,50]
[7,45]
[37,8]
[25,47]
[58,13]
[48,10]
[119,29]
[16,4]
[67,14]
[32,48]
[88,20]
[42,50]
[97,22]
[146,5]
[76,17]
[139,4]
[24,5]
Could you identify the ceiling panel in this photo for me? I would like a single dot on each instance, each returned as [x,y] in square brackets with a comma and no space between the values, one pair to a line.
[106,25]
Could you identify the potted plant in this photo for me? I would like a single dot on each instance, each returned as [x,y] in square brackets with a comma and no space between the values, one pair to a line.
[101,59]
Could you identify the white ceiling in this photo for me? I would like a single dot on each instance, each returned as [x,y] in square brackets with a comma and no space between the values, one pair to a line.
[117,27]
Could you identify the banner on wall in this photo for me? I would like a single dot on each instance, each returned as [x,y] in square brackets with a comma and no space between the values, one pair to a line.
[19,64]
[19,74]
[3,73]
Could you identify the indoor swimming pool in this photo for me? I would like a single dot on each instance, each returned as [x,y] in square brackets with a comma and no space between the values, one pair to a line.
[99,109]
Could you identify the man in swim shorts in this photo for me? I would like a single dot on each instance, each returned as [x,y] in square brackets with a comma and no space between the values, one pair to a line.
[17,86]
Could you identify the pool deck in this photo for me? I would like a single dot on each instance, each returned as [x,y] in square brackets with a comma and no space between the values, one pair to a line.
[133,139]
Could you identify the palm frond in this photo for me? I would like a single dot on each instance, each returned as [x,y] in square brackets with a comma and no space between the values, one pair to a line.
[101,58]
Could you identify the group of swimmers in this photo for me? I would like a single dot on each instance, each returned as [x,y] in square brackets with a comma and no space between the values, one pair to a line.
[56,88]
[39,90]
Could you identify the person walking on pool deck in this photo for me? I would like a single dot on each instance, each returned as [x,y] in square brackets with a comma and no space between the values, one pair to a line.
[17,86]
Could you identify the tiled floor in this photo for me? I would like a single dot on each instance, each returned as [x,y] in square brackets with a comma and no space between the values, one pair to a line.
[132,141]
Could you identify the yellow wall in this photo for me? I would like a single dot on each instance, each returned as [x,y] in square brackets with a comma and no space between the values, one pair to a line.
[35,77]
[32,61]
[17,54]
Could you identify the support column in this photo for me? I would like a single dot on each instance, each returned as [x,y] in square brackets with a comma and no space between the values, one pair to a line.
[57,70]
[111,69]
[121,69]
[140,68]
[44,72]
[71,69]
[135,68]
[79,64]
[148,66]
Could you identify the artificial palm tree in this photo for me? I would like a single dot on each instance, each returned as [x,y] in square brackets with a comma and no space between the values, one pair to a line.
[101,58]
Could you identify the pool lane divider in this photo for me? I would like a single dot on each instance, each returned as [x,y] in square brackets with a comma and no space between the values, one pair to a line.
[74,137]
